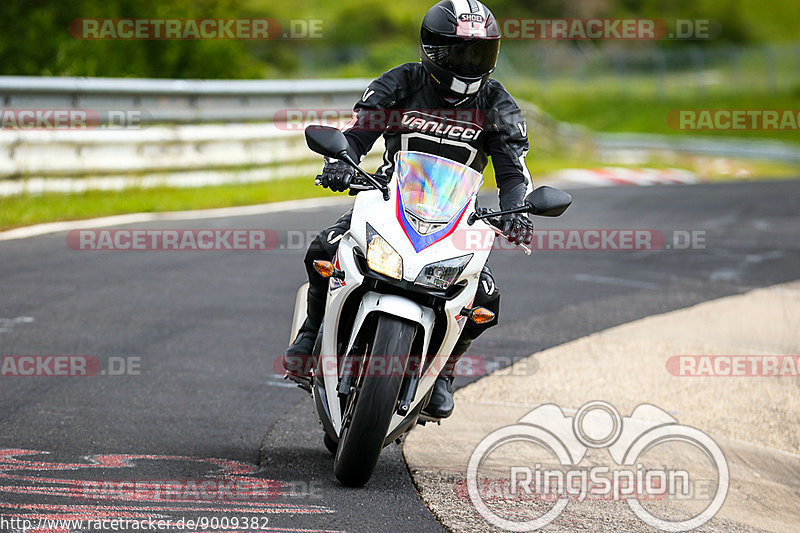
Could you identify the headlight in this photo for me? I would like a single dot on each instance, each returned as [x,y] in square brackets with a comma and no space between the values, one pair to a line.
[442,274]
[381,257]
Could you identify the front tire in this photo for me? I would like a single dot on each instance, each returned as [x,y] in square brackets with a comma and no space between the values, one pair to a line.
[364,428]
[330,444]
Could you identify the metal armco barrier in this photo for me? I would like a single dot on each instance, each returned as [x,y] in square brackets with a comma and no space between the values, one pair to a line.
[187,101]
[188,133]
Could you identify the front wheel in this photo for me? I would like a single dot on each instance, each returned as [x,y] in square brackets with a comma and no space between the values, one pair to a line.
[330,444]
[372,403]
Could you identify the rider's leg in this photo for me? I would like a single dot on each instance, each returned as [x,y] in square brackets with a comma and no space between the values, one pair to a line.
[323,247]
[441,404]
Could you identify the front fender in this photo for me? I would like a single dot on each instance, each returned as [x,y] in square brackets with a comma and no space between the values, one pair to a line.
[394,305]
[373,302]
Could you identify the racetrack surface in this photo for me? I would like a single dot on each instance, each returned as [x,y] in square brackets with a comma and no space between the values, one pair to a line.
[206,327]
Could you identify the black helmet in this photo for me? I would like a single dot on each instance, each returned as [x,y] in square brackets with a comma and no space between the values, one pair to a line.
[459,42]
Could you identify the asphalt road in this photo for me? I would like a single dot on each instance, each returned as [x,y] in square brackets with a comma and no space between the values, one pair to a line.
[200,330]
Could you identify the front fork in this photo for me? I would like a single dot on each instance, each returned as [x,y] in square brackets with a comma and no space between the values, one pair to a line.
[408,389]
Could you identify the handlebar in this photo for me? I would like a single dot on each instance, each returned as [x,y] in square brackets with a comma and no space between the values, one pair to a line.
[357,183]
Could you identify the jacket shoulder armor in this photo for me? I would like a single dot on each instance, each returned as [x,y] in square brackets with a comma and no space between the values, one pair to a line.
[393,86]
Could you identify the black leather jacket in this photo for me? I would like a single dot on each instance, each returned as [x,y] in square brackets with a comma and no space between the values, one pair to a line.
[404,106]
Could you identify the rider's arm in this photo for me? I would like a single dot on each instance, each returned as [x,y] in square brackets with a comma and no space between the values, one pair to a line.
[373,113]
[361,142]
[506,142]
[511,174]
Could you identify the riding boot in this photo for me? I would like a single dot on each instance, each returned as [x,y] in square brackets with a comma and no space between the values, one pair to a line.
[299,361]
[441,404]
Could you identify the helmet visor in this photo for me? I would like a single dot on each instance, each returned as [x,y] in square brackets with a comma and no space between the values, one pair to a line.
[467,57]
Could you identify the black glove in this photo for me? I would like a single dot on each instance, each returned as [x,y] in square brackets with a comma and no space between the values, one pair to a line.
[336,175]
[518,228]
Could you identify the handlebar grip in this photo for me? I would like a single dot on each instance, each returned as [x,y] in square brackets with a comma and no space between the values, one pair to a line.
[496,222]
[493,221]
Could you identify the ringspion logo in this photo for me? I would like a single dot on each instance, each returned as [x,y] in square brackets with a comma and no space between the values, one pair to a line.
[596,425]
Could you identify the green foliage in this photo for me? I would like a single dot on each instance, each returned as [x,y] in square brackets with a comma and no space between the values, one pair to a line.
[642,111]
[360,37]
[38,41]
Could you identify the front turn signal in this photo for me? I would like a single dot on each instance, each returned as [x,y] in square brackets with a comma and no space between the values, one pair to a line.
[480,315]
[327,270]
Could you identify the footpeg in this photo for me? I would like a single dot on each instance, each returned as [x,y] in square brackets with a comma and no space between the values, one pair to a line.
[303,383]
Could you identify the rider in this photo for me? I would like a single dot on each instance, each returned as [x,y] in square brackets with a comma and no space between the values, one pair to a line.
[476,119]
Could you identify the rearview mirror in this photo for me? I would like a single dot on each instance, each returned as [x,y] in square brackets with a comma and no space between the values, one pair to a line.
[326,141]
[548,201]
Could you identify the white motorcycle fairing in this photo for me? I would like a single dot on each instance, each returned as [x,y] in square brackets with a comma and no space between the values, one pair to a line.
[385,217]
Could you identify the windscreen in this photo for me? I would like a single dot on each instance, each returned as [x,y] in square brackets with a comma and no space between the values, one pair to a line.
[433,188]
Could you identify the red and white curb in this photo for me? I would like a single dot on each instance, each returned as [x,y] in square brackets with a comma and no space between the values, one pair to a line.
[610,176]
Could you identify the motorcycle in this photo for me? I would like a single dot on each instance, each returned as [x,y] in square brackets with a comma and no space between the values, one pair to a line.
[399,285]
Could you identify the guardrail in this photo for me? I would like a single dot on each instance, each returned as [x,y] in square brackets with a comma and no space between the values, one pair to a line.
[196,132]
[180,101]
[185,132]
[176,156]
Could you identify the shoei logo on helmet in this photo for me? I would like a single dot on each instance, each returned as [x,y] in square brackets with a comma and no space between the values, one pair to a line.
[470,17]
[471,25]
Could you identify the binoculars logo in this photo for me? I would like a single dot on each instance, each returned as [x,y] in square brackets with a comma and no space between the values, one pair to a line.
[598,425]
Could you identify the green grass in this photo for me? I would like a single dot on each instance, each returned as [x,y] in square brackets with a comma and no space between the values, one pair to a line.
[29,209]
[642,111]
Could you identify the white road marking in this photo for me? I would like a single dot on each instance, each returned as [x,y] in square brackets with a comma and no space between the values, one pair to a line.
[7,324]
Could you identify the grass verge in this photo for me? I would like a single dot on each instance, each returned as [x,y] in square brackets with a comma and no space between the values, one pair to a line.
[26,209]
[606,109]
